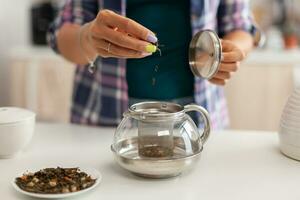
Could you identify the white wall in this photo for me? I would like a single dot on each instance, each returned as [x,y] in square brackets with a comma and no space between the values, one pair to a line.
[14,23]
[14,31]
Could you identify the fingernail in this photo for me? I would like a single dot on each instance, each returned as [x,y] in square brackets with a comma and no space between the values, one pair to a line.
[146,54]
[151,38]
[150,48]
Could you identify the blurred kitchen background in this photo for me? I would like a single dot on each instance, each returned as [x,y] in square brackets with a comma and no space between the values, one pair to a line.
[32,76]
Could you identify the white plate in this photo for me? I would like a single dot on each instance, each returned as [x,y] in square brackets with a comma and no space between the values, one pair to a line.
[95,174]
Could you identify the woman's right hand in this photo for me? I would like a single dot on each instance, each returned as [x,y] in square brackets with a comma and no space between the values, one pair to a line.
[112,35]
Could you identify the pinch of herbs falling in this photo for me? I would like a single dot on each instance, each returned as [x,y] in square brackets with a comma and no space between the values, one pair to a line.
[153,80]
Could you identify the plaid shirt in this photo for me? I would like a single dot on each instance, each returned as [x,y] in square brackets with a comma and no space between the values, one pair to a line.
[101,98]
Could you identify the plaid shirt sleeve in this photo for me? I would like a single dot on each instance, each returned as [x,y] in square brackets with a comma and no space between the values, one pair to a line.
[235,15]
[73,11]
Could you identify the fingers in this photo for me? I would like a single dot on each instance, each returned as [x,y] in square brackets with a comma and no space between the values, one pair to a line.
[229,67]
[221,78]
[217,81]
[118,51]
[105,54]
[233,56]
[127,38]
[119,39]
[222,75]
[231,52]
[131,27]
[227,45]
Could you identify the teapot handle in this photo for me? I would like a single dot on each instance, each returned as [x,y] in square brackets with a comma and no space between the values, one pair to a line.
[205,116]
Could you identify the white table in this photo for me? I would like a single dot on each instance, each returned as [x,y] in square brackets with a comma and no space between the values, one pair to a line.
[235,165]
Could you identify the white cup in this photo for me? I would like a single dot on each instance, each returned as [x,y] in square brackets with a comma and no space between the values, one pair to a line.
[16,130]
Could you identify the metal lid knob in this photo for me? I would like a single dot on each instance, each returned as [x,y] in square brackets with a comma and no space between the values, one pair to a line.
[205,53]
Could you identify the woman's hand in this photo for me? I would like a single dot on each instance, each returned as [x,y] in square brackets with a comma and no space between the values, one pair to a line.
[232,55]
[112,35]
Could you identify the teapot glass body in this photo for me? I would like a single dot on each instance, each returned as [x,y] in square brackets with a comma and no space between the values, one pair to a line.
[159,133]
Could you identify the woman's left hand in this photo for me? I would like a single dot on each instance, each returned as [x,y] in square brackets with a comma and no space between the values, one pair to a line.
[232,55]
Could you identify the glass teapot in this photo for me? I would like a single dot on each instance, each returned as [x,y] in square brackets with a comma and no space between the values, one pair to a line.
[159,139]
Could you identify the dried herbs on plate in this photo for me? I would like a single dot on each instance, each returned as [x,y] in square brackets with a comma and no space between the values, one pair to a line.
[55,181]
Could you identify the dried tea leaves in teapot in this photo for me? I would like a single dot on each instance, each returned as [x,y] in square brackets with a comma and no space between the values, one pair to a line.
[156,152]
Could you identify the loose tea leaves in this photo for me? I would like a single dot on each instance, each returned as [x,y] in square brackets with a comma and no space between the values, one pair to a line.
[158,47]
[156,152]
[55,181]
[153,80]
